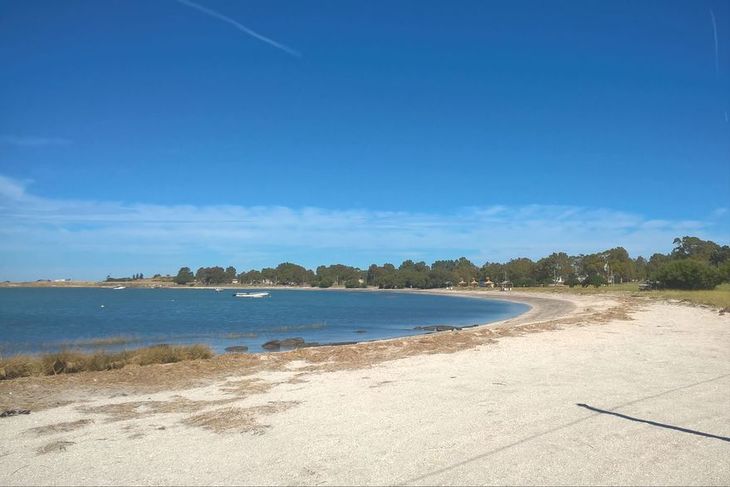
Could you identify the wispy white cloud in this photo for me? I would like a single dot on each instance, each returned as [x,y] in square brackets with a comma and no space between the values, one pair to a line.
[31,141]
[717,47]
[241,27]
[48,230]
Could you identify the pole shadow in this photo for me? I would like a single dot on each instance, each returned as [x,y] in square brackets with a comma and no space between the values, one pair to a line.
[653,423]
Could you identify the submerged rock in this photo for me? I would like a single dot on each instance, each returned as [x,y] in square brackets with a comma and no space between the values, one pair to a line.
[437,328]
[285,343]
[236,349]
[272,345]
[294,343]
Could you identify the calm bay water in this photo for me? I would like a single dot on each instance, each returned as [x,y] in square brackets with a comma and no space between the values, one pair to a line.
[46,319]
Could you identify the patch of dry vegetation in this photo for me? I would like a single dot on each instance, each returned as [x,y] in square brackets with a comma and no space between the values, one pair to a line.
[124,411]
[54,447]
[63,427]
[235,419]
[718,297]
[67,362]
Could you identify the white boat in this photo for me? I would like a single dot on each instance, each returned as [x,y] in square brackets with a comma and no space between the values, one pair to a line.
[218,289]
[119,287]
[251,295]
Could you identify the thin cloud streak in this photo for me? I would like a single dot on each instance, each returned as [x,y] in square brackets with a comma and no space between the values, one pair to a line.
[717,50]
[32,141]
[241,27]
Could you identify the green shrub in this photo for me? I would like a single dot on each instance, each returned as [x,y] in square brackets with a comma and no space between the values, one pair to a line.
[572,280]
[724,271]
[688,274]
[595,280]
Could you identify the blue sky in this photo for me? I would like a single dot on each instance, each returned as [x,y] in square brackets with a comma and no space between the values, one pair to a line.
[141,136]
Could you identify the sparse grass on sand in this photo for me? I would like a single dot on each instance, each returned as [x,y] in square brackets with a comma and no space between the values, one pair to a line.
[67,362]
[718,297]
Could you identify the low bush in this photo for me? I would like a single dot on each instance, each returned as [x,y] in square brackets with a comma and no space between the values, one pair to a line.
[688,274]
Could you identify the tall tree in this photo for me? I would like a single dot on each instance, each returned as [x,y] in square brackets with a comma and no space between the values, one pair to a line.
[184,276]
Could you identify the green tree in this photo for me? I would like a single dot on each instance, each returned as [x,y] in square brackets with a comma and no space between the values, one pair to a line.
[268,276]
[640,266]
[620,264]
[720,255]
[553,268]
[492,271]
[595,280]
[724,271]
[520,271]
[251,277]
[184,276]
[293,274]
[211,275]
[694,248]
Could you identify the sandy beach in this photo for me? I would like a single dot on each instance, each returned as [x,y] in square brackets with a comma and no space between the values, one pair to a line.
[578,390]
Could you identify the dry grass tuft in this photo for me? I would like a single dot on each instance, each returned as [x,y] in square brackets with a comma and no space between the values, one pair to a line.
[167,354]
[234,419]
[247,386]
[68,362]
[124,411]
[64,427]
[54,447]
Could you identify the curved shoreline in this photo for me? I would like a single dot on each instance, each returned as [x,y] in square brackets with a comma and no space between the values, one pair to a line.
[455,407]
[332,356]
[539,308]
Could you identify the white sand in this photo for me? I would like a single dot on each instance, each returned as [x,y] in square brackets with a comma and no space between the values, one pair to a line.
[503,413]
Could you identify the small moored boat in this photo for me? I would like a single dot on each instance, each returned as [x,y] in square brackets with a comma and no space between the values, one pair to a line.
[251,295]
[119,287]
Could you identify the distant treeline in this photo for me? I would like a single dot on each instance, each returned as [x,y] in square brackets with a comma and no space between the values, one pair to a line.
[134,277]
[693,264]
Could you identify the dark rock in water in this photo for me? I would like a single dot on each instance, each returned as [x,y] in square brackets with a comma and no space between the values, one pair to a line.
[293,342]
[236,349]
[361,331]
[285,343]
[437,328]
[272,345]
[13,412]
